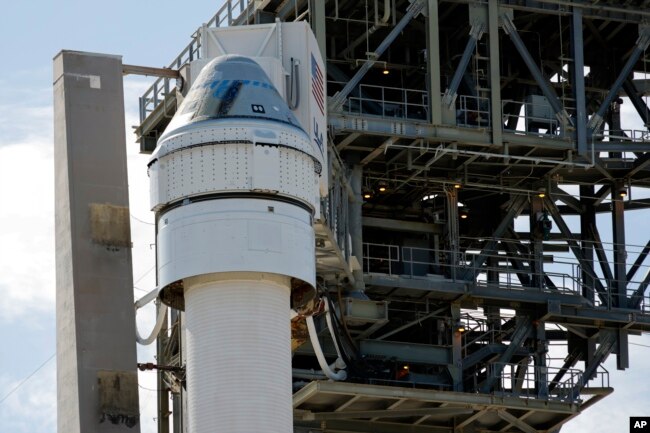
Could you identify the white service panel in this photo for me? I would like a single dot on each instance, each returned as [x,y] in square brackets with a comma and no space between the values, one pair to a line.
[266,166]
[236,235]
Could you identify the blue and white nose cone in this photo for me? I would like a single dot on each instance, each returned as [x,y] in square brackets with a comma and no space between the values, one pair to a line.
[231,87]
[234,184]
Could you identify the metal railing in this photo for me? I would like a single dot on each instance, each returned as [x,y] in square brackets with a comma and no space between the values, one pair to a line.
[473,112]
[380,258]
[229,13]
[415,262]
[609,299]
[387,102]
[562,275]
[624,135]
[529,381]
[600,379]
[472,337]
[534,118]
[642,301]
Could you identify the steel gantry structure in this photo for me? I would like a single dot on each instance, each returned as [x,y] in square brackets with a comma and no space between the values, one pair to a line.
[473,145]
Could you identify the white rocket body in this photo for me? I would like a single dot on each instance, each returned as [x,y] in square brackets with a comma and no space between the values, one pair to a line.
[235,184]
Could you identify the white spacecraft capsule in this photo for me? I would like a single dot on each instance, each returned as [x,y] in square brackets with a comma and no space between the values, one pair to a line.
[234,184]
[234,142]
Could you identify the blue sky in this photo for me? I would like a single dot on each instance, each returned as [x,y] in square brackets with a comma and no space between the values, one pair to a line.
[149,33]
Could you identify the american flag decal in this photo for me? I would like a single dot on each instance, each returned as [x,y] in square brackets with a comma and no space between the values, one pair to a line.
[317,88]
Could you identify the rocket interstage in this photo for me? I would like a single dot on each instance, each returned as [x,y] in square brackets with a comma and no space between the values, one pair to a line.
[234,184]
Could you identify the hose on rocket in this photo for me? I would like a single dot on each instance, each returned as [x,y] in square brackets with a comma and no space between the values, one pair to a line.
[160,320]
[327,369]
[334,371]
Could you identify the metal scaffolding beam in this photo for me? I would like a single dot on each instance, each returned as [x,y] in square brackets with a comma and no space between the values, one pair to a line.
[637,297]
[519,335]
[433,62]
[577,68]
[638,262]
[641,44]
[521,425]
[548,91]
[474,35]
[638,102]
[412,11]
[577,251]
[514,209]
[608,340]
[495,73]
[602,256]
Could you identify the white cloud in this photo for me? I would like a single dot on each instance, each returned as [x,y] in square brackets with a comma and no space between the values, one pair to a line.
[25,115]
[32,407]
[27,238]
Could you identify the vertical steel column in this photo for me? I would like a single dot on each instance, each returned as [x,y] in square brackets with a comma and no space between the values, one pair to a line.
[495,73]
[578,78]
[547,90]
[493,316]
[411,12]
[492,272]
[163,390]
[475,34]
[536,242]
[620,274]
[587,221]
[620,255]
[452,229]
[456,369]
[615,128]
[622,350]
[433,61]
[317,15]
[641,45]
[541,350]
[177,410]
[177,399]
[355,219]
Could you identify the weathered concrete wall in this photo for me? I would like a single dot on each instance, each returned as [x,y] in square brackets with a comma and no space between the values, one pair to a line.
[96,350]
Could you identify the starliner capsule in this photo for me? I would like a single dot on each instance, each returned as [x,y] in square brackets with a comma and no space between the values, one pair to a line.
[234,184]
